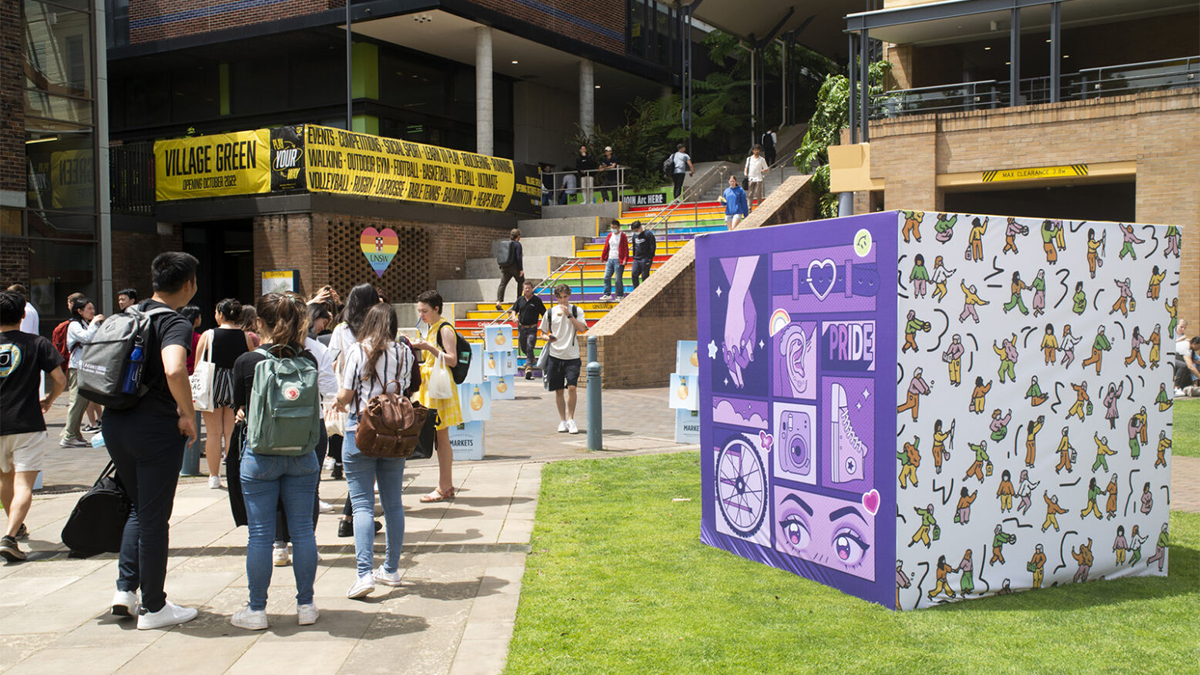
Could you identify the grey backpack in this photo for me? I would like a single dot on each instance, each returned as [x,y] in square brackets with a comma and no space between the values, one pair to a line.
[111,365]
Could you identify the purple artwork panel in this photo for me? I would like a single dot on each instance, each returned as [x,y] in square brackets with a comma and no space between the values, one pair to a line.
[794,348]
[740,412]
[819,281]
[833,533]
[848,432]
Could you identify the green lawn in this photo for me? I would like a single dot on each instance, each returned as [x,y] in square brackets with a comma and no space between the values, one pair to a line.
[1185,437]
[618,582]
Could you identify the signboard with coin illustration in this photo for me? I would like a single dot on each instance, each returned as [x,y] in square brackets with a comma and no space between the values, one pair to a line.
[981,404]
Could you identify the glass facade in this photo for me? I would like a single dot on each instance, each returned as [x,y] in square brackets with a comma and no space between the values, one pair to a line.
[58,225]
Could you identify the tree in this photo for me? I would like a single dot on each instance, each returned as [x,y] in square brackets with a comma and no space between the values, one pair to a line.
[825,129]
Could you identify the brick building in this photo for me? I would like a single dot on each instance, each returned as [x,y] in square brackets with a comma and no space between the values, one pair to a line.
[1102,123]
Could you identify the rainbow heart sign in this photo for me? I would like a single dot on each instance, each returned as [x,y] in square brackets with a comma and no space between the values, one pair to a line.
[379,247]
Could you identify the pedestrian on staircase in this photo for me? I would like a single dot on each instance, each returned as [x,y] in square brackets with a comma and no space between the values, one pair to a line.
[682,164]
[513,266]
[528,309]
[756,169]
[736,206]
[644,247]
[614,256]
[768,144]
[585,164]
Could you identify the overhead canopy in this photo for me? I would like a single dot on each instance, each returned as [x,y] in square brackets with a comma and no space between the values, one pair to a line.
[822,22]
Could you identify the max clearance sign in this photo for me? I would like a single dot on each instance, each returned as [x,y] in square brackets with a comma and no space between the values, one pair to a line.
[363,165]
[220,165]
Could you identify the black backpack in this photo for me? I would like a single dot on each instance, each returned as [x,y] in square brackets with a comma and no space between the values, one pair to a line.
[506,253]
[463,349]
[97,523]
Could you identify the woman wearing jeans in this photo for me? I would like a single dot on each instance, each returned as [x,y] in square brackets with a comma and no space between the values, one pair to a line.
[269,479]
[377,363]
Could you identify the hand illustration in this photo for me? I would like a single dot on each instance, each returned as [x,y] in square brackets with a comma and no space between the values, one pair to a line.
[741,321]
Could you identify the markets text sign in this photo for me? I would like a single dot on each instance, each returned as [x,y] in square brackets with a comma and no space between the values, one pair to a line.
[237,163]
[363,165]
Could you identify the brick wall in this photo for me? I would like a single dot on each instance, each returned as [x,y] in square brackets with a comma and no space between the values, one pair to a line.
[12,106]
[1160,131]
[325,248]
[151,20]
[637,338]
[132,253]
[14,262]
[595,22]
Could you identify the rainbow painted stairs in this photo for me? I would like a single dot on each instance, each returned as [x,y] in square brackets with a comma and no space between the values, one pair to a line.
[567,250]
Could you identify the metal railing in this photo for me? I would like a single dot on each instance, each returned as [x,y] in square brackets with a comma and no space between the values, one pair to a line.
[587,184]
[131,178]
[1088,83]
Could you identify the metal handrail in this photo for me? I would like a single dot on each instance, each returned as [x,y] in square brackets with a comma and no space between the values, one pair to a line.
[556,181]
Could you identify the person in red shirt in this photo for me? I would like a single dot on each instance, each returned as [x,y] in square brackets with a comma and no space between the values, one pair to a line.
[614,257]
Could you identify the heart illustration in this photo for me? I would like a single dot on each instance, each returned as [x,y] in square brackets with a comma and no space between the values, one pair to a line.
[821,279]
[379,247]
[870,501]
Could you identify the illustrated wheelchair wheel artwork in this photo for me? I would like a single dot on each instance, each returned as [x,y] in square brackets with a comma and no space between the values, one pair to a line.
[741,487]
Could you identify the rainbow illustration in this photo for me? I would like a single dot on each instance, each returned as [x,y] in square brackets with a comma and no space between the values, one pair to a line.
[379,247]
[779,319]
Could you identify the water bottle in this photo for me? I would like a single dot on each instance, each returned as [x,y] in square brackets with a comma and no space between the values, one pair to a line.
[133,371]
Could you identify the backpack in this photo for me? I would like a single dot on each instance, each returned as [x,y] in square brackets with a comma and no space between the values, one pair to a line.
[284,416]
[391,424]
[668,165]
[111,365]
[506,253]
[59,339]
[463,348]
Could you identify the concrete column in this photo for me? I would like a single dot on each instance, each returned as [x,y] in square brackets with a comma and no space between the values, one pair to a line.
[102,187]
[484,118]
[587,97]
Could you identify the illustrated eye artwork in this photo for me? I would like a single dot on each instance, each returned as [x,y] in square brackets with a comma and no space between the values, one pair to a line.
[849,546]
[795,533]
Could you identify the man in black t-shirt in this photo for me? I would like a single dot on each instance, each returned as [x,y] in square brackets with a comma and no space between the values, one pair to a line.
[644,246]
[529,309]
[23,358]
[146,443]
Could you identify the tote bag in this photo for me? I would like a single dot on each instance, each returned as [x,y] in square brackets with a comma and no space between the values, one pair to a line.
[201,379]
[441,384]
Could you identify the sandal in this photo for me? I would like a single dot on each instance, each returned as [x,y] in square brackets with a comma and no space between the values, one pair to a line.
[437,495]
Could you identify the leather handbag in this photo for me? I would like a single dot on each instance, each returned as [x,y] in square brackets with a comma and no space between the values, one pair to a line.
[97,523]
[390,426]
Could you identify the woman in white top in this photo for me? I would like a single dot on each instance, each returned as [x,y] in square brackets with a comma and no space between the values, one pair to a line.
[378,363]
[84,321]
[756,168]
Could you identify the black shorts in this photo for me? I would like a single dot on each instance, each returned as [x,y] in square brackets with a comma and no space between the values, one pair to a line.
[562,373]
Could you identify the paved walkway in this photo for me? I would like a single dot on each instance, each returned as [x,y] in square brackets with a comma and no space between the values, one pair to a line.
[462,566]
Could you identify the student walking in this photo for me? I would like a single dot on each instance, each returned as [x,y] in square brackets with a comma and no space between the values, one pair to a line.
[228,342]
[614,256]
[84,322]
[513,267]
[644,247]
[270,479]
[379,363]
[736,204]
[146,444]
[681,164]
[24,358]
[561,325]
[439,342]
[32,322]
[768,144]
[528,309]
[756,169]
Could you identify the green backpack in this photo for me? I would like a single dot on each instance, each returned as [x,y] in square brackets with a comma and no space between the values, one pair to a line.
[284,417]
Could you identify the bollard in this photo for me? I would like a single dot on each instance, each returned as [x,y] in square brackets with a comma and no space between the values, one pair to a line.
[595,421]
[191,453]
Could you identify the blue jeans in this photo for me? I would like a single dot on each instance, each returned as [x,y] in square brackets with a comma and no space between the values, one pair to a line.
[362,472]
[266,479]
[614,266]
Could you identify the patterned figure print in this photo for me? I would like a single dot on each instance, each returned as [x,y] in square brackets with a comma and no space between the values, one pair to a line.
[1066,453]
[1039,293]
[912,224]
[1012,230]
[1050,230]
[1007,351]
[1128,240]
[998,541]
[1137,433]
[1160,549]
[999,424]
[1067,346]
[966,567]
[1095,249]
[1147,499]
[1034,393]
[928,524]
[911,327]
[975,239]
[910,459]
[1173,242]
[1082,401]
[917,387]
[1053,511]
[1110,506]
[1164,444]
[971,300]
[1155,287]
[1120,545]
[1135,348]
[953,357]
[979,396]
[1079,299]
[1093,493]
[1099,346]
[1031,432]
[1124,303]
[1102,453]
[962,511]
[1111,399]
[1016,286]
[1005,492]
[939,444]
[944,227]
[919,276]
[1155,345]
[1025,492]
[940,276]
[1084,559]
[982,462]
[1135,545]
[940,571]
[1049,345]
[1037,565]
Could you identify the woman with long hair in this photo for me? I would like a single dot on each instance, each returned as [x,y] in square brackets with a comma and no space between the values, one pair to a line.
[250,324]
[228,341]
[343,339]
[378,363]
[268,480]
[439,340]
[84,322]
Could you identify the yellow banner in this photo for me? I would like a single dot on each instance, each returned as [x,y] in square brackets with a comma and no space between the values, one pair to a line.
[237,163]
[1067,171]
[386,168]
[72,179]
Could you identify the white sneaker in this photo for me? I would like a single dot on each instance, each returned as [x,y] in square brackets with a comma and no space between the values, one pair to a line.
[170,615]
[214,482]
[125,603]
[572,428]
[74,443]
[307,614]
[562,427]
[280,556]
[381,576]
[329,464]
[324,506]
[362,587]
[605,298]
[250,619]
